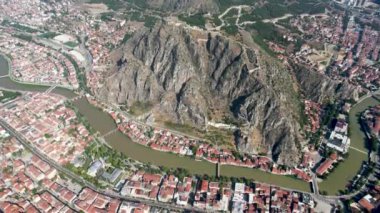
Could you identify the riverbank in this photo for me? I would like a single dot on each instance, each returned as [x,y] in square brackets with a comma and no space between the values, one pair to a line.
[348,169]
[103,123]
[10,84]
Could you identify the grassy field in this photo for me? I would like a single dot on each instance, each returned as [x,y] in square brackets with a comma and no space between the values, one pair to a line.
[184,128]
[348,169]
[139,108]
[220,137]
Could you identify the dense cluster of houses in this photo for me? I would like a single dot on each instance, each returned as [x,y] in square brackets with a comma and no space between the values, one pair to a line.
[33,12]
[103,37]
[33,63]
[372,120]
[357,63]
[102,40]
[29,184]
[44,120]
[48,124]
[357,53]
[266,198]
[215,196]
[370,202]
[166,141]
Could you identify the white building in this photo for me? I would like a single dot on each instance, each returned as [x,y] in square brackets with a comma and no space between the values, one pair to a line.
[95,167]
[239,187]
[238,207]
[134,207]
[339,142]
[3,133]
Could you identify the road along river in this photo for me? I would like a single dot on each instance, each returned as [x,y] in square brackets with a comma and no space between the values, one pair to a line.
[103,123]
[347,170]
[8,83]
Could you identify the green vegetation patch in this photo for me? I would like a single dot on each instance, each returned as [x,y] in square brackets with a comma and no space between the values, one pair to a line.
[47,135]
[265,32]
[107,16]
[194,20]
[271,10]
[149,21]
[231,30]
[7,95]
[71,44]
[80,74]
[269,32]
[216,21]
[23,37]
[185,128]
[111,4]
[117,4]
[139,108]
[225,4]
[220,137]
[126,37]
[48,35]
[19,26]
[275,8]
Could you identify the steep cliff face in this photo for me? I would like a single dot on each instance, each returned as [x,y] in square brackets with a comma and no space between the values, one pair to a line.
[190,6]
[320,88]
[185,74]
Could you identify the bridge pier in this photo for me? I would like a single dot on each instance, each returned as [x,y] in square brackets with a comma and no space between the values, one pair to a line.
[218,169]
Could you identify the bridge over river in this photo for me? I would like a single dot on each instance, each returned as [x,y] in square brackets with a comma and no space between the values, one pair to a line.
[105,125]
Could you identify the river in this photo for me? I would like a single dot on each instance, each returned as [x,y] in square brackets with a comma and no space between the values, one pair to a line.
[346,170]
[103,123]
[7,83]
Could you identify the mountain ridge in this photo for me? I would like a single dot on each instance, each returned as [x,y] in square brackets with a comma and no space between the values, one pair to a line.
[186,73]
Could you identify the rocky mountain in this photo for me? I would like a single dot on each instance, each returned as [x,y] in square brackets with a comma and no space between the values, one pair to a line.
[191,77]
[320,88]
[189,6]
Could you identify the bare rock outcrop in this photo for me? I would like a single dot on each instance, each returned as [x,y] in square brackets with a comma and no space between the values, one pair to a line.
[189,6]
[186,73]
[321,88]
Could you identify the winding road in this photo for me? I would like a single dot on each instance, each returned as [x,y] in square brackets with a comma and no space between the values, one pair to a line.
[24,142]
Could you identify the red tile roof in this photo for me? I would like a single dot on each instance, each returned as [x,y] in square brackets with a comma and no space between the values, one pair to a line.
[324,167]
[366,204]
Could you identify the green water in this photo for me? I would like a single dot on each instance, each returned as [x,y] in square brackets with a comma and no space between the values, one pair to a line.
[103,123]
[350,167]
[7,83]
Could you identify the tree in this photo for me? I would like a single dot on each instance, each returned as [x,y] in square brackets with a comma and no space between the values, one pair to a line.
[34,191]
[373,143]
